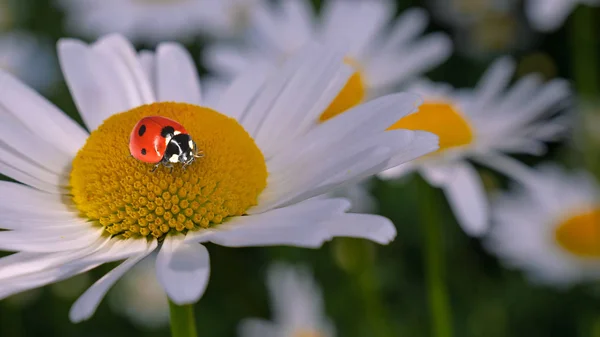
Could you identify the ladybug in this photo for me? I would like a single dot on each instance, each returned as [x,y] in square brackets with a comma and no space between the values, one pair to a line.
[160,140]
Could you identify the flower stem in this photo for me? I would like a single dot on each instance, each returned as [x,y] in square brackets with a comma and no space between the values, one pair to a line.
[183,322]
[434,263]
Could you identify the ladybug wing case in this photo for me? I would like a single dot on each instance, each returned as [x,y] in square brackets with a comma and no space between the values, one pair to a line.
[145,141]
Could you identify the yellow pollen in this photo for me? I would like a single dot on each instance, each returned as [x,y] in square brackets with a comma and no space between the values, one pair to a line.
[120,193]
[580,234]
[441,119]
[352,94]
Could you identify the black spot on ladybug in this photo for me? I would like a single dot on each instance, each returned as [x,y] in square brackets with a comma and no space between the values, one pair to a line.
[167,131]
[142,130]
[144,152]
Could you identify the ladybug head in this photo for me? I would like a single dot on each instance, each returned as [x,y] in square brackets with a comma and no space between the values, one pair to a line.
[181,149]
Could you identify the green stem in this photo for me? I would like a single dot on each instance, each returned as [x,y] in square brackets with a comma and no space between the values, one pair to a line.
[183,322]
[584,62]
[434,263]
[584,57]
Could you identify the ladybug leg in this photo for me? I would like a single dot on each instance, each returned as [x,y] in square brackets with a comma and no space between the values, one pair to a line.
[169,166]
[154,168]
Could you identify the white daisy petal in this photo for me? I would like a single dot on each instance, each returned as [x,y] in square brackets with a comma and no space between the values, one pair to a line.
[548,15]
[40,116]
[183,269]
[24,165]
[365,226]
[466,196]
[177,79]
[296,225]
[124,57]
[236,100]
[86,304]
[30,180]
[493,81]
[48,241]
[147,60]
[17,137]
[22,263]
[17,197]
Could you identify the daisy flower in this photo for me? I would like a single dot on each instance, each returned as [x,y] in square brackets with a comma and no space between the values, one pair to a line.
[483,124]
[384,51]
[550,228]
[549,15]
[155,21]
[85,201]
[297,304]
[30,58]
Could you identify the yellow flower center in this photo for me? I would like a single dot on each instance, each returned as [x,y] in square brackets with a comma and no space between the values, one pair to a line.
[441,119]
[580,234]
[120,193]
[308,333]
[352,93]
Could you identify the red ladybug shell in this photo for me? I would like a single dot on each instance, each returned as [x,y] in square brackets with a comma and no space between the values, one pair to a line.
[148,139]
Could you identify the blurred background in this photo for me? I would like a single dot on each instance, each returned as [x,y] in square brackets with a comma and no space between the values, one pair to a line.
[368,290]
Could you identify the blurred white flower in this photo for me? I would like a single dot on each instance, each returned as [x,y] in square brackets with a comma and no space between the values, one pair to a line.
[483,124]
[30,58]
[484,29]
[153,21]
[384,51]
[549,15]
[550,228]
[297,305]
[140,297]
[359,196]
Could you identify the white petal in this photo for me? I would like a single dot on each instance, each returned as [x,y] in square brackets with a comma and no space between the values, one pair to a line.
[147,60]
[17,197]
[102,79]
[17,161]
[40,116]
[183,269]
[366,226]
[49,240]
[86,304]
[306,95]
[301,225]
[467,198]
[236,100]
[17,137]
[177,77]
[22,263]
[385,71]
[30,180]
[548,15]
[123,53]
[510,167]
[493,82]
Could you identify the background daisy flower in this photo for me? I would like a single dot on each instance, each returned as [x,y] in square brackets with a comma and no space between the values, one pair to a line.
[85,201]
[297,304]
[155,21]
[483,124]
[550,228]
[383,56]
[146,306]
[548,15]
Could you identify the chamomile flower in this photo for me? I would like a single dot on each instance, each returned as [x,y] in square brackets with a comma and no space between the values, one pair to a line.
[297,304]
[383,56]
[550,228]
[152,21]
[84,200]
[483,124]
[549,15]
